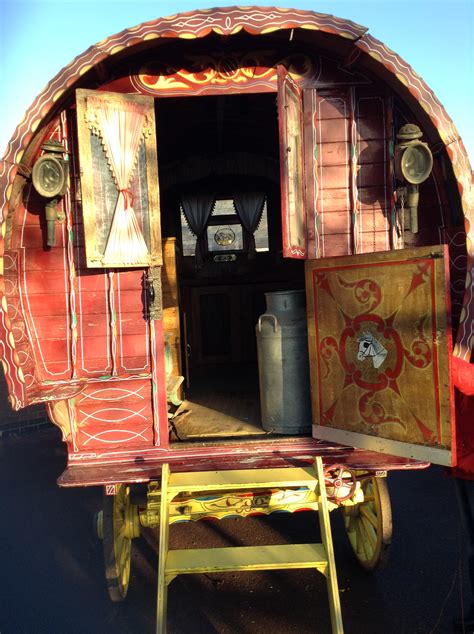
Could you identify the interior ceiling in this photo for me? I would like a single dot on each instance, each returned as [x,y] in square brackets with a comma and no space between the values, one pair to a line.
[217,125]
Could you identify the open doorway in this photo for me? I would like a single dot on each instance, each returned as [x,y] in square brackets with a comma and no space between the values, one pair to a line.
[220,197]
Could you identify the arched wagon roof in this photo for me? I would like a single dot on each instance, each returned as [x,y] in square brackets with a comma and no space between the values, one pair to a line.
[255,21]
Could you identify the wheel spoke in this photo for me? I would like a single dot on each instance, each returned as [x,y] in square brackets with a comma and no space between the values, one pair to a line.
[123,559]
[368,513]
[368,526]
[350,524]
[369,533]
[361,542]
[119,539]
[368,489]
[350,530]
[117,546]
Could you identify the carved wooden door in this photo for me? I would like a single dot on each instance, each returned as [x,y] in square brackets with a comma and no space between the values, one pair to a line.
[290,120]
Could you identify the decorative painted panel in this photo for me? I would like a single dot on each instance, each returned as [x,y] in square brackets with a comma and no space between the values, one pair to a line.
[455,238]
[43,274]
[119,179]
[18,341]
[353,165]
[93,324]
[380,344]
[334,157]
[372,186]
[133,336]
[114,414]
[207,73]
[311,158]
[235,70]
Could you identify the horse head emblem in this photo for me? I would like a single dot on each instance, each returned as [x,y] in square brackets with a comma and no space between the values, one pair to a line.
[370,348]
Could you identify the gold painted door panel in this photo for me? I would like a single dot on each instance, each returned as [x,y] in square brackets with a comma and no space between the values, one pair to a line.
[379,347]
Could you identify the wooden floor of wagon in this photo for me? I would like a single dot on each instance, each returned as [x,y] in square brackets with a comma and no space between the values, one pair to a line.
[220,405]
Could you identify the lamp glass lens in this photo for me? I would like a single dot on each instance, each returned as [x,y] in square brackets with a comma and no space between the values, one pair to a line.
[416,164]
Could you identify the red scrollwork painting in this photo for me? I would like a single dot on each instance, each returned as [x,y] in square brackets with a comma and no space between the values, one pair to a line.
[380,342]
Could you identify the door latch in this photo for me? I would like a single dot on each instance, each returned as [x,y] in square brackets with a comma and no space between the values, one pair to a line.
[153,293]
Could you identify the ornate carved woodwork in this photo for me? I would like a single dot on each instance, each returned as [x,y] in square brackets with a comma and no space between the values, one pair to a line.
[119,179]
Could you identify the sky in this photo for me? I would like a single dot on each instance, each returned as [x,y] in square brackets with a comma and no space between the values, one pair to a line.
[39,37]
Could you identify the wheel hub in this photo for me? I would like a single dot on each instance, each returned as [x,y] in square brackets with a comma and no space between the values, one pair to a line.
[131,521]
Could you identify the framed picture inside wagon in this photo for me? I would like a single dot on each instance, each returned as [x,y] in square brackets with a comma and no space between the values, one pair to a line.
[119,179]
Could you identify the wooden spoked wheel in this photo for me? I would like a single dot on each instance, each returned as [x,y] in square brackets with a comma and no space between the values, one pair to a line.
[117,532]
[369,524]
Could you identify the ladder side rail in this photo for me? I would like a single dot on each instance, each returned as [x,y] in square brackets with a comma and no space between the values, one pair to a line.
[326,536]
[162,586]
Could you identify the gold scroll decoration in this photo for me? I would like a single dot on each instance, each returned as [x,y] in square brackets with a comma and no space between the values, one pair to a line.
[379,350]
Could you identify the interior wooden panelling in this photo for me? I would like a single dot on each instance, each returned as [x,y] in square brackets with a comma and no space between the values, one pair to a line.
[171,320]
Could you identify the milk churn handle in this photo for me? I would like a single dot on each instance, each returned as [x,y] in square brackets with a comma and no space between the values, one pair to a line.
[275,322]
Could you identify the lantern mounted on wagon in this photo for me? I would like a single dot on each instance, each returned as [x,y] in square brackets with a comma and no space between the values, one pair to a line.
[50,178]
[413,163]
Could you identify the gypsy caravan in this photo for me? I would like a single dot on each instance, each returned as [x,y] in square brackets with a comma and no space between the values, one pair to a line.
[235,246]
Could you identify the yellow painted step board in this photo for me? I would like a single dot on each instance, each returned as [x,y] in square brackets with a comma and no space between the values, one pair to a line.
[242,479]
[208,560]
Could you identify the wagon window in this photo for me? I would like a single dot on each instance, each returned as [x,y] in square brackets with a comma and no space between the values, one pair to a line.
[224,231]
[187,236]
[224,207]
[225,237]
[119,180]
[261,234]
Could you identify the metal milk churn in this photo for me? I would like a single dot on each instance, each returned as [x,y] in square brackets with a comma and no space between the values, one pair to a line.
[283,364]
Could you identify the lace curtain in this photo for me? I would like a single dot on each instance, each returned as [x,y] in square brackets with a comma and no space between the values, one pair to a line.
[121,127]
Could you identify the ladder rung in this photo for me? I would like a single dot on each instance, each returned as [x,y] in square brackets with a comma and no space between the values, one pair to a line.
[242,479]
[248,558]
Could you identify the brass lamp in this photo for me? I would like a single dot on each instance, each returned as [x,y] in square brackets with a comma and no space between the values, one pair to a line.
[49,176]
[413,163]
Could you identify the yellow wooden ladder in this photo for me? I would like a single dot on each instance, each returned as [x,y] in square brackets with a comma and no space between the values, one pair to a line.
[246,558]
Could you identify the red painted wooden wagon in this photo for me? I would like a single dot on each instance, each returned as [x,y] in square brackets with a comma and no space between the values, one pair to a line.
[167,179]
